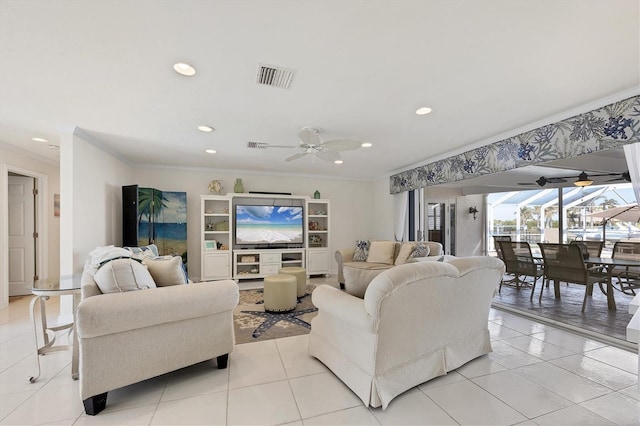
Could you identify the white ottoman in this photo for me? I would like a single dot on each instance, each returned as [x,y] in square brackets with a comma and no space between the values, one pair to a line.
[301,277]
[280,293]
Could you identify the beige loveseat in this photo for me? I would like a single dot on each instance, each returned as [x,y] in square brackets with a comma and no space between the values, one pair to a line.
[128,337]
[417,321]
[354,277]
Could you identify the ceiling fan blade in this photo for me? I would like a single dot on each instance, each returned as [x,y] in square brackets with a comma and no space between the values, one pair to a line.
[295,156]
[283,146]
[264,145]
[342,144]
[556,180]
[328,155]
[309,136]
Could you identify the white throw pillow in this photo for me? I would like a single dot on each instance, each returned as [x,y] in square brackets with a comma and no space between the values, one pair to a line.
[166,270]
[123,275]
[406,249]
[381,252]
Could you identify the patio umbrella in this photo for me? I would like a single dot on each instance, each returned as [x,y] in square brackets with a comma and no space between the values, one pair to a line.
[629,213]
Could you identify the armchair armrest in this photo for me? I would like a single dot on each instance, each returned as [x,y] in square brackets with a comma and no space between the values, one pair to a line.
[345,255]
[343,306]
[118,312]
[342,256]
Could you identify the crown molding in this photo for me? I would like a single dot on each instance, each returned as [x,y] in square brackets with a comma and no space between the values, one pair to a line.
[30,154]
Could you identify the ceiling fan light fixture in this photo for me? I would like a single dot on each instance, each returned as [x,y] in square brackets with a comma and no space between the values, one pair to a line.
[184,69]
[583,180]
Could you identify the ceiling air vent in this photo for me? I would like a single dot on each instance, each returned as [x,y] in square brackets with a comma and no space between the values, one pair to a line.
[257,145]
[270,75]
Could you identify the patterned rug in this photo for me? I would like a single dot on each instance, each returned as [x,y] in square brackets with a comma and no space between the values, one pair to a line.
[253,324]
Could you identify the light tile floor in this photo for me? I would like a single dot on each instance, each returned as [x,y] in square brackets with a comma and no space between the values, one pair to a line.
[537,375]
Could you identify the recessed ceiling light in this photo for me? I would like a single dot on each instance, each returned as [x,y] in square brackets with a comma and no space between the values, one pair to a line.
[210,151]
[423,111]
[184,69]
[338,162]
[366,145]
[39,140]
[205,128]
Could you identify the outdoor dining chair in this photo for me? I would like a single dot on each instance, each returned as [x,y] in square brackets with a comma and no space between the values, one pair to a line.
[564,262]
[519,261]
[627,277]
[590,248]
[496,244]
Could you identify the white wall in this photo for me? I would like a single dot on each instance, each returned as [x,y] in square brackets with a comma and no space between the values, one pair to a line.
[382,211]
[13,159]
[90,200]
[470,232]
[352,204]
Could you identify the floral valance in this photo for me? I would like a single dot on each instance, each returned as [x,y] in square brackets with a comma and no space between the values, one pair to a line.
[608,127]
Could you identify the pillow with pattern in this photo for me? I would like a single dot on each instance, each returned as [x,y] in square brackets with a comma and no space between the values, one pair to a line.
[362,251]
[421,250]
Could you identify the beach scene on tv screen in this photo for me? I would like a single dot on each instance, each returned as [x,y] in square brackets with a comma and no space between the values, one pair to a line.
[268,225]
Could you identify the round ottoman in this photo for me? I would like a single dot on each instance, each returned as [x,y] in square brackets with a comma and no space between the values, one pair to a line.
[280,293]
[301,277]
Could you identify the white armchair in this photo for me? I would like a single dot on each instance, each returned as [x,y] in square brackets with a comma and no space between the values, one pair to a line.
[417,321]
[128,337]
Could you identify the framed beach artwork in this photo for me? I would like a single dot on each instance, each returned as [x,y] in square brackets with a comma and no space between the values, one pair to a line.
[161,219]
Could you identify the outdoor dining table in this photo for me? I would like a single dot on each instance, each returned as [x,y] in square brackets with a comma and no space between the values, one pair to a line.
[609,264]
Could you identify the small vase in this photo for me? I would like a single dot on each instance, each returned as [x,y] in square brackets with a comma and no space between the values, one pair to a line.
[316,195]
[237,186]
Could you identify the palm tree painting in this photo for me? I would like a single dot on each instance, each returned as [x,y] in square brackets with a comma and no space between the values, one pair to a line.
[162,220]
[150,205]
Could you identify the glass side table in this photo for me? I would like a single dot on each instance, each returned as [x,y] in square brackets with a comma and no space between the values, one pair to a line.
[42,290]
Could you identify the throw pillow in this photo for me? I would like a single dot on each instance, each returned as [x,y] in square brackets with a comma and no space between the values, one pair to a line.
[421,250]
[362,251]
[381,252]
[406,249]
[145,251]
[123,275]
[166,270]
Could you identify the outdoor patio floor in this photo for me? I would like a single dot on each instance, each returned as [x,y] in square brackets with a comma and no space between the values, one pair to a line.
[567,309]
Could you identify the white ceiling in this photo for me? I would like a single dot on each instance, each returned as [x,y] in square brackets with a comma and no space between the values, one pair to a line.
[486,68]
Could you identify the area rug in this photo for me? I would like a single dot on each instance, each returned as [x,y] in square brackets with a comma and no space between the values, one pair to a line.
[253,324]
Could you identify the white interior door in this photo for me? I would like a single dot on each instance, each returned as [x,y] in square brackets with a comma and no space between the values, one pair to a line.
[21,235]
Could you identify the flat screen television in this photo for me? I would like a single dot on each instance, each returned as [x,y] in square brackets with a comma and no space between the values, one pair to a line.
[268,225]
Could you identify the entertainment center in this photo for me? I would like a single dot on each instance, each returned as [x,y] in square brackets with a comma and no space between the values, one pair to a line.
[250,236]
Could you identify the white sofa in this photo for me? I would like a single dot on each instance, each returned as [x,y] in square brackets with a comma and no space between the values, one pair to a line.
[417,321]
[354,277]
[128,337]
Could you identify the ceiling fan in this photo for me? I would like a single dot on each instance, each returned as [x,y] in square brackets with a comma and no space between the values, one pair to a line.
[311,144]
[583,179]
